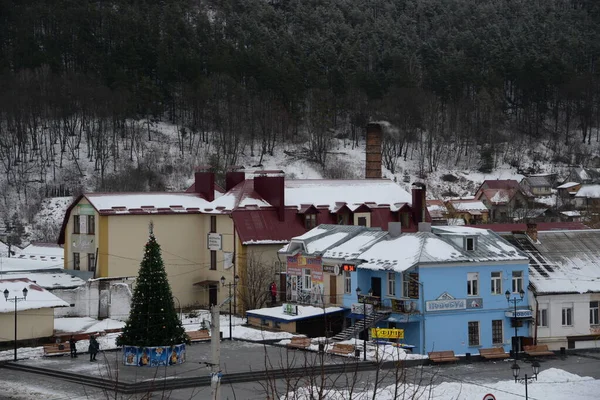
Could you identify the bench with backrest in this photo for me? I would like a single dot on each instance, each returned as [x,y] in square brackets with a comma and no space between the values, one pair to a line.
[199,335]
[298,342]
[342,349]
[56,349]
[442,356]
[537,350]
[493,353]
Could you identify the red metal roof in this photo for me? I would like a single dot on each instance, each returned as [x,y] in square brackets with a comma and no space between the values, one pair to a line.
[541,226]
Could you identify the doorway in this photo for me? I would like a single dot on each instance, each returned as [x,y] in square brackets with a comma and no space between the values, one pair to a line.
[376,286]
[212,295]
[332,289]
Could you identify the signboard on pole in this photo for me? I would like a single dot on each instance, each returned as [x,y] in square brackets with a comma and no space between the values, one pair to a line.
[387,333]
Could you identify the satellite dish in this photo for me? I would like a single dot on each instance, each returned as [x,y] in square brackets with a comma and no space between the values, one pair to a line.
[336,269]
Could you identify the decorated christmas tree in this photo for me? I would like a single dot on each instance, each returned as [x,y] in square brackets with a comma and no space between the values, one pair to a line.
[153,320]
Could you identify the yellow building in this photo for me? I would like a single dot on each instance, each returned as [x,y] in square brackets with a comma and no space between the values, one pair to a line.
[471,211]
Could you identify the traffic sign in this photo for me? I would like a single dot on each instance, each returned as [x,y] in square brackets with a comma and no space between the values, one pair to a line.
[489,396]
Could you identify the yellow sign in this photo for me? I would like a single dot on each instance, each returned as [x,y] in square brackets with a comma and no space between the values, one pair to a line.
[387,333]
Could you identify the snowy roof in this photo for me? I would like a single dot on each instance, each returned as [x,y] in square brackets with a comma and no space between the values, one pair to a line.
[37,297]
[43,249]
[30,263]
[303,312]
[571,213]
[57,279]
[468,205]
[147,203]
[568,185]
[589,191]
[537,181]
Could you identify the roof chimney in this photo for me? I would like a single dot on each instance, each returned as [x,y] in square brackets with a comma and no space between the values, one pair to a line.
[234,176]
[270,185]
[394,229]
[204,182]
[532,231]
[373,167]
[419,204]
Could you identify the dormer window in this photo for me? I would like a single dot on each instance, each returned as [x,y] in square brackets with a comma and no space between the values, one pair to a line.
[310,221]
[342,219]
[405,219]
[470,243]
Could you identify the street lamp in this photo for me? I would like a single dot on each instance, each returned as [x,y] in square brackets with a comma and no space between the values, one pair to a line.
[16,299]
[515,371]
[515,301]
[364,307]
[236,280]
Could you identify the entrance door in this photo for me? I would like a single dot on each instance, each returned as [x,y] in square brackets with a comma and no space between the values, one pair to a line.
[212,295]
[332,289]
[282,286]
[376,286]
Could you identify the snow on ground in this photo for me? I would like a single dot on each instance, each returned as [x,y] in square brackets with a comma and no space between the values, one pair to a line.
[552,384]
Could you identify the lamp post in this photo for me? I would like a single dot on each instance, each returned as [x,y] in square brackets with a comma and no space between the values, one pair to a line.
[236,280]
[364,307]
[515,300]
[515,371]
[16,299]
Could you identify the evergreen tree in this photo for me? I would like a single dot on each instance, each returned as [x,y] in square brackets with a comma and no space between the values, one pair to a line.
[153,320]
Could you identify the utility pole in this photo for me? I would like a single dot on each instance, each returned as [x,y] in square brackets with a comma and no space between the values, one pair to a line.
[215,341]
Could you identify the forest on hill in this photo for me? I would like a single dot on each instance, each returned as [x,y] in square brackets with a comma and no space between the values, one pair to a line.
[473,83]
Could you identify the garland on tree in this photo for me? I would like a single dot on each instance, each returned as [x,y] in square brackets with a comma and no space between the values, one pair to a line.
[153,320]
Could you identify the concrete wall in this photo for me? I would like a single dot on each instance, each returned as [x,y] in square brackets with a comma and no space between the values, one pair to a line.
[31,324]
[85,300]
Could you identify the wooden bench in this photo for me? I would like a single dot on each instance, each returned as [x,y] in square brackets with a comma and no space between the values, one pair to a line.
[298,342]
[200,335]
[56,349]
[492,353]
[537,350]
[342,349]
[442,356]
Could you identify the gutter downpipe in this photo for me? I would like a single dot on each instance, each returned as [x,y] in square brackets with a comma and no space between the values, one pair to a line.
[535,328]
[423,305]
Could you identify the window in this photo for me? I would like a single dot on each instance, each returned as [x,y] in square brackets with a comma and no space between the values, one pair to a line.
[213,260]
[213,223]
[497,335]
[542,317]
[410,282]
[91,225]
[362,221]
[76,261]
[307,281]
[276,325]
[470,243]
[391,279]
[567,315]
[264,322]
[310,221]
[473,333]
[593,313]
[405,219]
[347,282]
[76,224]
[91,262]
[342,219]
[517,281]
[472,284]
[496,282]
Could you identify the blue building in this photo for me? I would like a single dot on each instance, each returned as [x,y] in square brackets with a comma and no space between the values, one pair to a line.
[446,287]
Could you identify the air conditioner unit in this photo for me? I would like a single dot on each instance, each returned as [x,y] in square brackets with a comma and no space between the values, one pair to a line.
[336,269]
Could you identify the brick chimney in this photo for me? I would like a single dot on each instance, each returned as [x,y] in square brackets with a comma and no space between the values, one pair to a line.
[204,182]
[418,202]
[234,176]
[532,231]
[373,165]
[270,185]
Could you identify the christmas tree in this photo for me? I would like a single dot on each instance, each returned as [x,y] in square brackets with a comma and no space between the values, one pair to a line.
[153,320]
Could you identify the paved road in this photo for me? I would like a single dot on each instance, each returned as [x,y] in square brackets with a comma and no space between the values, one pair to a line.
[242,356]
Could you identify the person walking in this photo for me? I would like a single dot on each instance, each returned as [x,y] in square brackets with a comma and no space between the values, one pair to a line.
[273,293]
[73,346]
[93,348]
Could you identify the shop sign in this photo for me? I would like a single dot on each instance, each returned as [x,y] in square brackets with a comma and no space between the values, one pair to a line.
[214,241]
[520,314]
[387,333]
[290,309]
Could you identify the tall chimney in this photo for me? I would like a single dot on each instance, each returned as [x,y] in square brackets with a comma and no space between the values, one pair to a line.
[418,202]
[373,167]
[270,185]
[234,176]
[532,231]
[204,182]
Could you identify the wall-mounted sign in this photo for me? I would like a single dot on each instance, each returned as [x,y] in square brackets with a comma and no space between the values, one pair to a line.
[520,314]
[348,267]
[448,303]
[83,244]
[329,269]
[358,308]
[290,309]
[387,333]
[214,241]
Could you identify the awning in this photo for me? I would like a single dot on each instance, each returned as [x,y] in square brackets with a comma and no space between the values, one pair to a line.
[206,283]
[355,316]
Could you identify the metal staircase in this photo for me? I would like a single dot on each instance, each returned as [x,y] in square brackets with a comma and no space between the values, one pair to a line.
[352,331]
